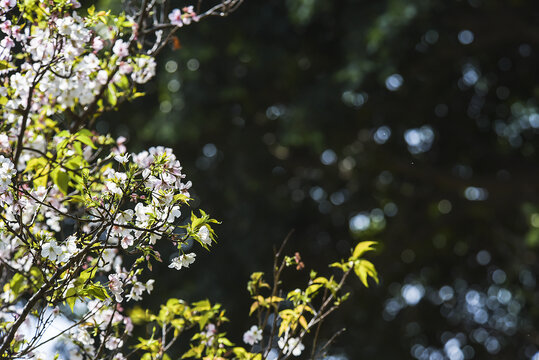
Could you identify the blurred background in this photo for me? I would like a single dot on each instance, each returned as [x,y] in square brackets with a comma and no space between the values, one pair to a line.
[411,122]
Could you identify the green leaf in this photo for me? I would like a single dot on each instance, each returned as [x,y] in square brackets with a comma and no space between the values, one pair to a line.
[339,265]
[71,297]
[85,139]
[226,342]
[203,305]
[181,198]
[35,164]
[139,316]
[6,65]
[78,148]
[344,298]
[96,291]
[111,95]
[85,132]
[364,269]
[18,284]
[61,145]
[123,83]
[37,275]
[195,352]
[75,163]
[254,306]
[303,322]
[312,289]
[61,179]
[39,166]
[362,248]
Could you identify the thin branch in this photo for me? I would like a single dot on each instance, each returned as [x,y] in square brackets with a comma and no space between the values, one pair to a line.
[331,340]
[277,270]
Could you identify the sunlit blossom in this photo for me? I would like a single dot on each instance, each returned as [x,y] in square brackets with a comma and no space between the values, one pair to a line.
[120,48]
[253,335]
[204,235]
[183,260]
[291,346]
[175,17]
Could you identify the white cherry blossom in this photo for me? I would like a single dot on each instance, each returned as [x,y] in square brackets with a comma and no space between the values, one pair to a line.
[145,70]
[253,335]
[183,260]
[122,158]
[51,250]
[204,235]
[98,43]
[7,171]
[120,48]
[291,346]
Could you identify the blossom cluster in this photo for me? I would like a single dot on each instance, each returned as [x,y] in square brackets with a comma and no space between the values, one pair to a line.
[80,341]
[74,202]
[291,345]
[7,171]
[179,18]
[67,62]
[135,201]
[68,210]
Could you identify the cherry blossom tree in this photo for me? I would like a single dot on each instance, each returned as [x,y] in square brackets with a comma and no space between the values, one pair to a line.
[74,203]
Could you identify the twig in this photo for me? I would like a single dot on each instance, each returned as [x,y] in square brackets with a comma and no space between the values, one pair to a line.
[331,339]
[276,275]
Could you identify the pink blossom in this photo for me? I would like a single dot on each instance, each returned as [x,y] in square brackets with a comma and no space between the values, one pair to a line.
[7,43]
[7,4]
[127,241]
[175,17]
[97,43]
[16,33]
[189,14]
[121,48]
[5,27]
[128,325]
[125,68]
